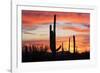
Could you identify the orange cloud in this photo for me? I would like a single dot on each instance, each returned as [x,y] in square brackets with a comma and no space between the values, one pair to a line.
[76,29]
[29,18]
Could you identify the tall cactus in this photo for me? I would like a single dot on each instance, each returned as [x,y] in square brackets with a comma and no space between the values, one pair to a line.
[53,38]
[74,43]
[54,28]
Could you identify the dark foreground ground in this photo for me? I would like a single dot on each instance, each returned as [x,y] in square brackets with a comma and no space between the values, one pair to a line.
[60,56]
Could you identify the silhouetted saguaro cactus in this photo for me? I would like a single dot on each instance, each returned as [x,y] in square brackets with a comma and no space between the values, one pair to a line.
[53,38]
[74,43]
[54,31]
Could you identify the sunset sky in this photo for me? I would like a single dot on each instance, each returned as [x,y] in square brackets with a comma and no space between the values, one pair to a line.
[35,28]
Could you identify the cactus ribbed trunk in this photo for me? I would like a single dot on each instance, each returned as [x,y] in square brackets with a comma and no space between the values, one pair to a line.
[51,37]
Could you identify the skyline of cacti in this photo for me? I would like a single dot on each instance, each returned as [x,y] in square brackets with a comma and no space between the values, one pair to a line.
[55,36]
[68,24]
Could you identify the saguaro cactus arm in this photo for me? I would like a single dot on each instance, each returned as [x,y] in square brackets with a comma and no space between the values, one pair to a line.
[58,48]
